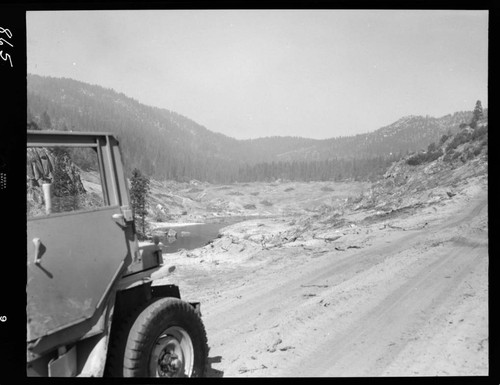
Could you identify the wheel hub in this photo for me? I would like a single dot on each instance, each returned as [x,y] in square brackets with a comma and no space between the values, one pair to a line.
[172,355]
[169,364]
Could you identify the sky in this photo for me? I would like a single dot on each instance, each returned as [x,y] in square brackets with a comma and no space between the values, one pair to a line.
[257,73]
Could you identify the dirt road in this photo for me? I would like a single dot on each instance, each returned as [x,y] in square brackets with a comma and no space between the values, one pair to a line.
[412,301]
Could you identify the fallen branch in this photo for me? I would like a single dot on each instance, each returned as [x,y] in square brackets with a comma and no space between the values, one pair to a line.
[244,370]
[288,347]
[272,349]
[327,239]
[331,239]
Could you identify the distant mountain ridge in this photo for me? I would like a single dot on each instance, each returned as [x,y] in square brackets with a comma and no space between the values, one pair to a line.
[408,134]
[167,145]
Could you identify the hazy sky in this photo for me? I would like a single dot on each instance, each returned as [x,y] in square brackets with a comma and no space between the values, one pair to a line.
[248,74]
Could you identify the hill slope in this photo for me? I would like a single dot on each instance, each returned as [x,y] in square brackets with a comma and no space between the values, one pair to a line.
[166,145]
[407,185]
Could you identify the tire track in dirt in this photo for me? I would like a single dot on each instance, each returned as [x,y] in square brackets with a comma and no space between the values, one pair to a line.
[241,331]
[336,269]
[461,258]
[480,203]
[286,310]
[373,343]
[455,334]
[332,270]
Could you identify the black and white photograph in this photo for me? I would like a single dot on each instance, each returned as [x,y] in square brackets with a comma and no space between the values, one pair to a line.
[226,193]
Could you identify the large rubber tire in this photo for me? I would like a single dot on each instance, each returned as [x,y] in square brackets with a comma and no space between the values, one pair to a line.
[166,339]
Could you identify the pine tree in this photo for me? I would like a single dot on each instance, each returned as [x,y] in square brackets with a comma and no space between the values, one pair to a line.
[477,114]
[46,122]
[139,192]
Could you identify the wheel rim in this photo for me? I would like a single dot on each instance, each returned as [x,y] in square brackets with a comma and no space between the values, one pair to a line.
[173,354]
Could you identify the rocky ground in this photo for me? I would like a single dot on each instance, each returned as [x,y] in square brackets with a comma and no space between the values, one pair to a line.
[195,202]
[389,279]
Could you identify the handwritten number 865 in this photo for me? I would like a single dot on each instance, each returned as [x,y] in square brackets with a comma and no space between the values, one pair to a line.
[9,35]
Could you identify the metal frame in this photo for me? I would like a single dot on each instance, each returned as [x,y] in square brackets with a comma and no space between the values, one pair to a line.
[115,189]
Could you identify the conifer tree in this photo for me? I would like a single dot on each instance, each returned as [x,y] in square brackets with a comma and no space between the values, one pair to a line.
[139,192]
[46,122]
[477,114]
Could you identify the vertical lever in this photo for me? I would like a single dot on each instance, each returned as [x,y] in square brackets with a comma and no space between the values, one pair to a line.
[38,250]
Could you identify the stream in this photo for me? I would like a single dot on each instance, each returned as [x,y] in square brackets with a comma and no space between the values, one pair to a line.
[194,236]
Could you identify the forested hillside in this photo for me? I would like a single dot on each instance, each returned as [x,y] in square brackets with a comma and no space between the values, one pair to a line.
[408,134]
[166,145]
[161,143]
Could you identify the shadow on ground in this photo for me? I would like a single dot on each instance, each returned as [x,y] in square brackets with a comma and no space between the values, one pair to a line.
[211,372]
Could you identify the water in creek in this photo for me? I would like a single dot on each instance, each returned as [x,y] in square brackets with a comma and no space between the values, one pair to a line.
[194,236]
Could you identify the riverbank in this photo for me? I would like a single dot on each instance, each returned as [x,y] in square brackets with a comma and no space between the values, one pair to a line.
[166,225]
[400,294]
